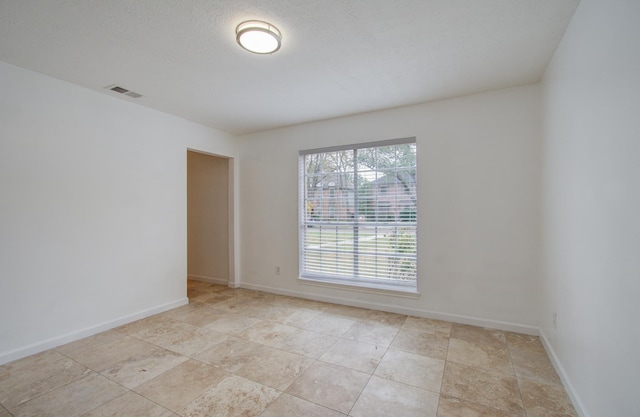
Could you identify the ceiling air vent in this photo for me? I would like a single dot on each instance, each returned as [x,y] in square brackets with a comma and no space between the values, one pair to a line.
[122,90]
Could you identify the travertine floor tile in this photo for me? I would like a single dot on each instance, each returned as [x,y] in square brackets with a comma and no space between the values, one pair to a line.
[232,323]
[421,343]
[478,335]
[534,365]
[345,311]
[192,284]
[372,333]
[287,405]
[146,323]
[231,354]
[140,368]
[234,396]
[411,369]
[255,295]
[274,368]
[481,386]
[355,355]
[483,355]
[182,384]
[307,343]
[317,306]
[525,342]
[382,398]
[203,296]
[455,407]
[330,385]
[383,317]
[284,301]
[179,337]
[129,404]
[23,380]
[267,333]
[35,364]
[276,313]
[244,305]
[74,399]
[106,355]
[89,342]
[331,325]
[545,400]
[198,314]
[299,317]
[421,324]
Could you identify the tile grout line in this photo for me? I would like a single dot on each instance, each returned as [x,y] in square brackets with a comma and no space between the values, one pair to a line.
[129,390]
[359,394]
[5,409]
[373,373]
[524,409]
[59,387]
[444,370]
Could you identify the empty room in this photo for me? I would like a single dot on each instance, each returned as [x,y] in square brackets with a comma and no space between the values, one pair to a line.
[340,208]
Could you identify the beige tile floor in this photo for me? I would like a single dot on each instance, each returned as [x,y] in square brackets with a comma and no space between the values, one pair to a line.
[247,353]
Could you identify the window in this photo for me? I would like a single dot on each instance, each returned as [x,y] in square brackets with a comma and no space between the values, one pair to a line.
[358,215]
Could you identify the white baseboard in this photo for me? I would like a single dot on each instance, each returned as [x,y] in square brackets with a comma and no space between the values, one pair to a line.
[493,324]
[86,332]
[210,280]
[571,392]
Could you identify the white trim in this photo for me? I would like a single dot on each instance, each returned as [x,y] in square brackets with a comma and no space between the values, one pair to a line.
[234,224]
[568,386]
[308,264]
[368,287]
[233,221]
[210,280]
[374,144]
[474,321]
[86,332]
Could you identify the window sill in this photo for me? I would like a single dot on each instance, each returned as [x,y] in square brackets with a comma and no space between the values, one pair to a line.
[368,287]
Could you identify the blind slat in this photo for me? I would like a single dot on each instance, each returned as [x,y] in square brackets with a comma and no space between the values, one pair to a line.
[358,211]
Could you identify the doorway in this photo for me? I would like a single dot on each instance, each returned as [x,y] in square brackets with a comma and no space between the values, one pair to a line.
[208,214]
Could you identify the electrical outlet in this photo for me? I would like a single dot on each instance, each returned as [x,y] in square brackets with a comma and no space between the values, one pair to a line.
[277,269]
[555,320]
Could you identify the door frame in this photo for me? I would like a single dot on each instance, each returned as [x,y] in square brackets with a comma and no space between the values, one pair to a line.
[233,223]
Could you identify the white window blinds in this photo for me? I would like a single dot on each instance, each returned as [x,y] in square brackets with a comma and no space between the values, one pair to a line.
[358,213]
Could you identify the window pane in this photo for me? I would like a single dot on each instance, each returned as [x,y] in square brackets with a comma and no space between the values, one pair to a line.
[359,213]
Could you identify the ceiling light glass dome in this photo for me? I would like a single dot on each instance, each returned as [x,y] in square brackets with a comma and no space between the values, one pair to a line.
[258,37]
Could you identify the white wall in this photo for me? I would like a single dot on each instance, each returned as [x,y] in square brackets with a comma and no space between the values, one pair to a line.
[478,179]
[591,210]
[92,210]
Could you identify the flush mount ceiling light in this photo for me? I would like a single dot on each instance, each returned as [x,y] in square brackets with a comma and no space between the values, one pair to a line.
[258,37]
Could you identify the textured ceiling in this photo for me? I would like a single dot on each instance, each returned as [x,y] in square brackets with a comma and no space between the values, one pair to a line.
[338,57]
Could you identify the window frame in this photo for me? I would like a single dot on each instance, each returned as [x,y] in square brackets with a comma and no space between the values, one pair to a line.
[407,288]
